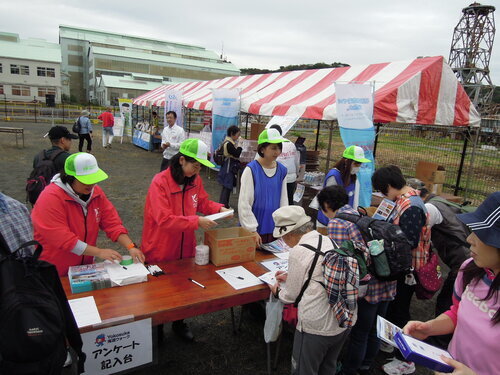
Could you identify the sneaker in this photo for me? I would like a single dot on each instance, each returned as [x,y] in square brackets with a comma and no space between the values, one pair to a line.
[68,361]
[109,145]
[386,348]
[397,367]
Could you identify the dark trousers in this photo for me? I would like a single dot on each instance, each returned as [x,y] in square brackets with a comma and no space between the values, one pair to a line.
[364,344]
[290,189]
[225,194]
[399,309]
[314,354]
[84,137]
[165,163]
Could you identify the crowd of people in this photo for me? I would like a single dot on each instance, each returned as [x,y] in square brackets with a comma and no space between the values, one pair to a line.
[70,211]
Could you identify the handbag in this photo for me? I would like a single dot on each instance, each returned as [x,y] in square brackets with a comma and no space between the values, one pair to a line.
[290,315]
[429,278]
[274,313]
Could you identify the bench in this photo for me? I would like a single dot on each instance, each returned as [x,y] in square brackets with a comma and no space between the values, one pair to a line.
[16,131]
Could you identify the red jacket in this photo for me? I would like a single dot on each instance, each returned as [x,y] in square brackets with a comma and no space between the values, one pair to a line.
[107,119]
[59,222]
[170,218]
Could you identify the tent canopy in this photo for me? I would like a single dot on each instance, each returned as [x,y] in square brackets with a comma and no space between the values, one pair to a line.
[421,91]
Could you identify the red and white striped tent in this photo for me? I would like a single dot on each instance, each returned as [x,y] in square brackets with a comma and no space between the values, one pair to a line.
[420,91]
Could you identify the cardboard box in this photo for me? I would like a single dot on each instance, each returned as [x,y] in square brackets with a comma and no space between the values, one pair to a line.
[430,172]
[230,245]
[255,130]
[434,188]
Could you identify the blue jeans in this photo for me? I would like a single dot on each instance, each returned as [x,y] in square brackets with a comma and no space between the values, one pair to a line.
[364,344]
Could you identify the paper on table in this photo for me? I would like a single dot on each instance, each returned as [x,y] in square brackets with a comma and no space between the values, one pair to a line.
[124,276]
[85,311]
[233,274]
[284,255]
[276,265]
[269,277]
[220,215]
[386,331]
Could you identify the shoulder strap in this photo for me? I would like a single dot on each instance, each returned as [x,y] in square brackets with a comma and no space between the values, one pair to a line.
[42,156]
[311,270]
[55,154]
[349,217]
[446,202]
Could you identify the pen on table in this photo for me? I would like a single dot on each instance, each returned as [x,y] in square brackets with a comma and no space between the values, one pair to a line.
[230,274]
[197,283]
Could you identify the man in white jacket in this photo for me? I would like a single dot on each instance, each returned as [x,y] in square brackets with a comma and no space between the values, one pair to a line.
[318,338]
[171,139]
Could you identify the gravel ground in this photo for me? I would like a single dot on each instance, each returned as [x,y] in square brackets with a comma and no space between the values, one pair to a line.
[216,349]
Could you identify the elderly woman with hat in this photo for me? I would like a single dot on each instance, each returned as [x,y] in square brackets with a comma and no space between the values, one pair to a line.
[85,133]
[474,316]
[69,213]
[318,336]
[343,174]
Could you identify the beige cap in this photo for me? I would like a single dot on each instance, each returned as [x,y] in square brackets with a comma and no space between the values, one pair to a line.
[288,218]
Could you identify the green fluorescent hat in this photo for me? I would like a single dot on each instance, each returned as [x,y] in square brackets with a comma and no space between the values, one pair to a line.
[83,166]
[271,136]
[196,149]
[355,153]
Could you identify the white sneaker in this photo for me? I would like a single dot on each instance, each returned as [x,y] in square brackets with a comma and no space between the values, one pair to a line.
[68,361]
[385,347]
[397,367]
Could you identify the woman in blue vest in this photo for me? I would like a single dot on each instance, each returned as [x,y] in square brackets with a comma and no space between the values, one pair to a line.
[263,187]
[344,174]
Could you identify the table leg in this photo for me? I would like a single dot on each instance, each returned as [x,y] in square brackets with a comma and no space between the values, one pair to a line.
[268,352]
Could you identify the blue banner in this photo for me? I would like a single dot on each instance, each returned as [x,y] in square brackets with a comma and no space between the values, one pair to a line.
[225,113]
[355,117]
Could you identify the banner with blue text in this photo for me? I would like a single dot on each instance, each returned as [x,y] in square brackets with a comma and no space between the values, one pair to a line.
[225,113]
[355,117]
[173,102]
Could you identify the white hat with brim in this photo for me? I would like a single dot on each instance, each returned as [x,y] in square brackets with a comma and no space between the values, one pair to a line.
[288,218]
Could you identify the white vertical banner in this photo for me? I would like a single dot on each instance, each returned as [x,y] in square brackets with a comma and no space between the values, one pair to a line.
[173,102]
[285,122]
[355,117]
[114,349]
[126,115]
[225,112]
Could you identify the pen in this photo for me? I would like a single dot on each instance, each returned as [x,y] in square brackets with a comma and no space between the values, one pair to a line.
[230,274]
[197,283]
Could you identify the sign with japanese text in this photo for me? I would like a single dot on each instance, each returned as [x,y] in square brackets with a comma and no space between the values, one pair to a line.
[126,115]
[173,102]
[114,349]
[225,113]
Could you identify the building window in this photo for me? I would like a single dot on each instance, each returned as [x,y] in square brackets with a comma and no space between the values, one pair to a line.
[1,89]
[1,69]
[20,69]
[21,90]
[42,91]
[45,72]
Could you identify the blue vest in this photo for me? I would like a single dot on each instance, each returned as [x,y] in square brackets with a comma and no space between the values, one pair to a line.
[267,195]
[349,190]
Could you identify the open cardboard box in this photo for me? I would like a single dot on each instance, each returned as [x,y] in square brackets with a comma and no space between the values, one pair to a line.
[230,245]
[430,172]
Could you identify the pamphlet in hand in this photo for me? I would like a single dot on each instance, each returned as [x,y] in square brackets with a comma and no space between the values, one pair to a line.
[220,215]
[277,246]
[384,210]
[422,353]
[269,277]
[386,331]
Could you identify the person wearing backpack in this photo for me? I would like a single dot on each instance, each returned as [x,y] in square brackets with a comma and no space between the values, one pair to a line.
[49,162]
[318,336]
[231,164]
[474,317]
[85,133]
[448,237]
[69,213]
[364,343]
[413,219]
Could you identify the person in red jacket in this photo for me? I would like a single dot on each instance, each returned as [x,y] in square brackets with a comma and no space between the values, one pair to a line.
[174,197]
[108,121]
[69,213]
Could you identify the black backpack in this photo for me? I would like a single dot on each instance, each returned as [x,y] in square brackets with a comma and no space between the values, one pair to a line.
[397,248]
[77,127]
[36,319]
[41,175]
[219,154]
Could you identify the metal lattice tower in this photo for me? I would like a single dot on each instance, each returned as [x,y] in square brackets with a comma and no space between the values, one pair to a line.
[471,52]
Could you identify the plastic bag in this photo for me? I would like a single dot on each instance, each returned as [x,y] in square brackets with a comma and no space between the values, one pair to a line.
[274,313]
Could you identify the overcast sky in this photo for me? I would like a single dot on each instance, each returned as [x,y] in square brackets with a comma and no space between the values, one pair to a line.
[264,34]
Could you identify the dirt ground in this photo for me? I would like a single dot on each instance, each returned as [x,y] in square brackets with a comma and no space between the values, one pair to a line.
[216,349]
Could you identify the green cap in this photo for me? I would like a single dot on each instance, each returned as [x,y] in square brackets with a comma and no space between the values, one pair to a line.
[83,166]
[196,149]
[271,136]
[355,153]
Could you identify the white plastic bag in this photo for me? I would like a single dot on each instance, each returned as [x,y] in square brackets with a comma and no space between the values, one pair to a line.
[274,315]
